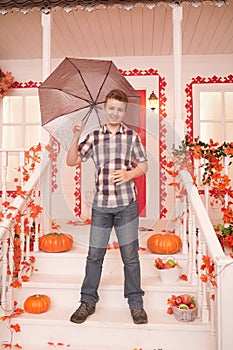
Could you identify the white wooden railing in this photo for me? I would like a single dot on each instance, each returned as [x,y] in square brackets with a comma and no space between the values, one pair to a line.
[202,240]
[16,215]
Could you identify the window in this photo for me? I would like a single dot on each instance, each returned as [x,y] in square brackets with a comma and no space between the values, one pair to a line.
[213,112]
[20,125]
[20,119]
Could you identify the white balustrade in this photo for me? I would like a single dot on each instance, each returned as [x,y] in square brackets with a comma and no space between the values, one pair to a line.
[205,242]
[18,215]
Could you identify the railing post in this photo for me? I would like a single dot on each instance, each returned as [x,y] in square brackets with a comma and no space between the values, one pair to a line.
[36,222]
[5,246]
[224,271]
[199,263]
[204,305]
[11,269]
[4,175]
[192,247]
[212,320]
[184,228]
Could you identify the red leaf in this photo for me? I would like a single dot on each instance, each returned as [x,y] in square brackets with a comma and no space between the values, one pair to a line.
[16,284]
[16,327]
[115,245]
[204,278]
[25,278]
[212,297]
[184,277]
[170,311]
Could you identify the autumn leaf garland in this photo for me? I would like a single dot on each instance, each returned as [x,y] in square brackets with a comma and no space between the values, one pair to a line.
[21,267]
[6,81]
[212,155]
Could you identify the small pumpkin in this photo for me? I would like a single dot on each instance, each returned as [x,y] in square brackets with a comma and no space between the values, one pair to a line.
[37,304]
[55,242]
[167,243]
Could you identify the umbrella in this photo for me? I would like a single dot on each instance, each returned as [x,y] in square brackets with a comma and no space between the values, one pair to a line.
[76,89]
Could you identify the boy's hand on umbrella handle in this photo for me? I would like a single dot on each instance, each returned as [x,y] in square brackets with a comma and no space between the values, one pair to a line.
[78,128]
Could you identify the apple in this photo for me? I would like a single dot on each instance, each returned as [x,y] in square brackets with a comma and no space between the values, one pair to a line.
[186,299]
[167,266]
[183,306]
[171,262]
[178,300]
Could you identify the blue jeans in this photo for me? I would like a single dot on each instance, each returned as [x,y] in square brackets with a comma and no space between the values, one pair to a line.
[125,222]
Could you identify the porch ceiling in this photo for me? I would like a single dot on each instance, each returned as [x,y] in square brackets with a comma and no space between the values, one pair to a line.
[115,31]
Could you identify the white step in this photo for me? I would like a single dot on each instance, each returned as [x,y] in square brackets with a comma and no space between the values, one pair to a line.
[74,261]
[109,329]
[65,290]
[60,276]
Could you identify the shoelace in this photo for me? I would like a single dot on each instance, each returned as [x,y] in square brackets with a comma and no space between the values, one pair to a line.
[83,309]
[138,313]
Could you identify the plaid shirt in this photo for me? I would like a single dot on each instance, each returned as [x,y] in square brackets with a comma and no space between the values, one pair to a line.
[113,152]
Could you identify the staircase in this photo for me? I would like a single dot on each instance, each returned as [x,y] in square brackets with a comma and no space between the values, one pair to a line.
[60,276]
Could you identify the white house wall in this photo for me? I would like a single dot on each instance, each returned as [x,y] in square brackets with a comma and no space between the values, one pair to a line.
[193,66]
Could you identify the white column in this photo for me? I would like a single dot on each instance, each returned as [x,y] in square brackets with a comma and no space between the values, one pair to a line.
[46,54]
[177,57]
[46,193]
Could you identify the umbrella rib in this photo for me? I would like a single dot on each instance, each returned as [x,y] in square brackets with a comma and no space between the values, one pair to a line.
[82,79]
[104,81]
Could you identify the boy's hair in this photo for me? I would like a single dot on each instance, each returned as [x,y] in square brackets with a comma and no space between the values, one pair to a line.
[118,95]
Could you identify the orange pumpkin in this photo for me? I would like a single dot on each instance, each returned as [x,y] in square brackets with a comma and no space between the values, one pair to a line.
[36,304]
[167,243]
[56,242]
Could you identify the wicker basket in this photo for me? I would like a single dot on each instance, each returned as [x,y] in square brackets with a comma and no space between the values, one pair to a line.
[185,315]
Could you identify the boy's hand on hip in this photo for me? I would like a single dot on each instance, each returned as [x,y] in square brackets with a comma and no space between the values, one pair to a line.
[121,176]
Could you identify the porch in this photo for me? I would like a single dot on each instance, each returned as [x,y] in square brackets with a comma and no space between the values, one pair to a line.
[59,275]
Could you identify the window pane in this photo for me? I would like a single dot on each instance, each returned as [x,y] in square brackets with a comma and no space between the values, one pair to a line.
[12,169]
[32,135]
[12,109]
[32,109]
[211,131]
[12,137]
[210,106]
[229,106]
[228,132]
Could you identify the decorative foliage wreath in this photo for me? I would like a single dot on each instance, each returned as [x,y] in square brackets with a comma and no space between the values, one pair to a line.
[6,80]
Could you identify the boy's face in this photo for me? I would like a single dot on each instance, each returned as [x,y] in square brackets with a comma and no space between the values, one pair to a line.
[115,111]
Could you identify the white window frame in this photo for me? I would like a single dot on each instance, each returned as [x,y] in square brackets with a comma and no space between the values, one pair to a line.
[211,87]
[18,92]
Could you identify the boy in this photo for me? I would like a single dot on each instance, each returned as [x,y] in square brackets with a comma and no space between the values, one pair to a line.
[113,149]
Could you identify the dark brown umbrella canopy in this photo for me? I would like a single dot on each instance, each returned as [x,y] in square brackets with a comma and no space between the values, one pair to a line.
[79,87]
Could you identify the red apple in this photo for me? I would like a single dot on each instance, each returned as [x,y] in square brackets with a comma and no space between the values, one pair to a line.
[178,300]
[186,299]
[167,266]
